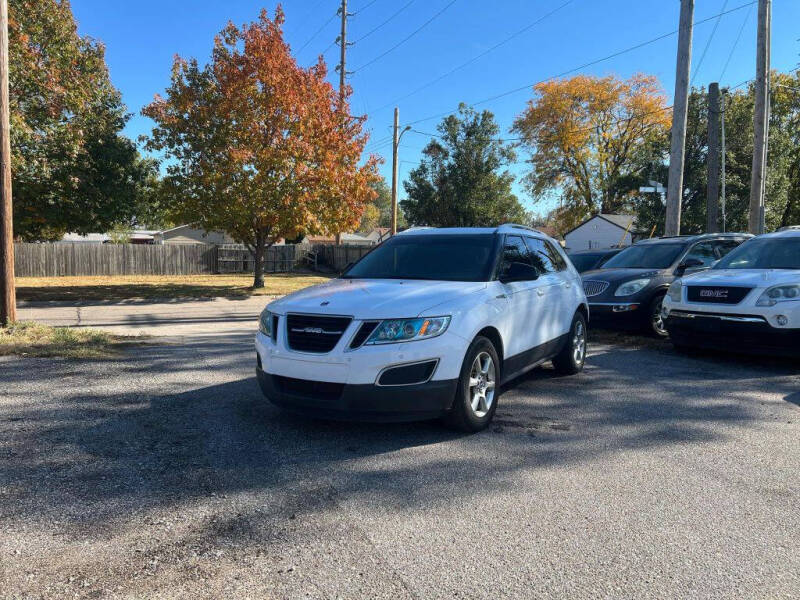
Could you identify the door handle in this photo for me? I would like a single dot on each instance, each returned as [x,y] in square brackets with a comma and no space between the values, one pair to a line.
[501,296]
[540,292]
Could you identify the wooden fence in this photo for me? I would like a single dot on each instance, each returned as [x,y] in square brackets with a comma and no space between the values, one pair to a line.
[338,257]
[86,259]
[54,260]
[233,258]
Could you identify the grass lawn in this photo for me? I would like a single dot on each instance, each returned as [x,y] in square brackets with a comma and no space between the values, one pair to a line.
[122,287]
[34,339]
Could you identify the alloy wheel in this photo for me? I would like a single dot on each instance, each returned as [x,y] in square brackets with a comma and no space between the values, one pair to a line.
[482,384]
[657,320]
[579,342]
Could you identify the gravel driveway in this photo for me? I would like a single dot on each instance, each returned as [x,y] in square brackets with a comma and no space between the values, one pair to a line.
[166,475]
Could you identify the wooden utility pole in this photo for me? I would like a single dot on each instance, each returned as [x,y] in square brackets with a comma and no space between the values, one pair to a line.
[722,162]
[8,300]
[679,110]
[342,68]
[712,191]
[395,144]
[760,119]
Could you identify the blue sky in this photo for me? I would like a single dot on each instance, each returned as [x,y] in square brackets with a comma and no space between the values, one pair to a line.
[142,37]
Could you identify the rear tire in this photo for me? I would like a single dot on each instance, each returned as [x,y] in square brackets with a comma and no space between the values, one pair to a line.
[478,388]
[573,355]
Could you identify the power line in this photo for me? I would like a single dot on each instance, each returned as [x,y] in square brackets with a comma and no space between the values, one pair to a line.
[316,33]
[588,64]
[736,42]
[478,56]
[408,37]
[376,28]
[708,43]
[366,6]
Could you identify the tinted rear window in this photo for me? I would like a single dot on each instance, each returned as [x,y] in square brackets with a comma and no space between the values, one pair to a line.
[584,262]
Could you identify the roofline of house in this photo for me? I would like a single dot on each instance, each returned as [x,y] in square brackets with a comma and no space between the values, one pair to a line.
[599,215]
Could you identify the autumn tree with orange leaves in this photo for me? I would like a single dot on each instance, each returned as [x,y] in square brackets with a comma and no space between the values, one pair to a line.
[585,135]
[258,146]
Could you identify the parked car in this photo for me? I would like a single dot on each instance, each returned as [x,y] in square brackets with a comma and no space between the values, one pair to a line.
[429,324]
[588,260]
[748,302]
[628,290]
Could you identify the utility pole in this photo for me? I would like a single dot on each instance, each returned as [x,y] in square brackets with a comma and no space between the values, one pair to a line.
[395,143]
[8,300]
[712,191]
[722,161]
[395,164]
[679,110]
[341,67]
[760,119]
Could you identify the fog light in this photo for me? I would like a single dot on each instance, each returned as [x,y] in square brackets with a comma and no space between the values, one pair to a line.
[782,320]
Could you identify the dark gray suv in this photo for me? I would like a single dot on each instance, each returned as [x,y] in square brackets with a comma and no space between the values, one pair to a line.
[628,290]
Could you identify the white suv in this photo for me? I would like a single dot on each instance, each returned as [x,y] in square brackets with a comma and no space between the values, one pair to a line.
[429,324]
[748,302]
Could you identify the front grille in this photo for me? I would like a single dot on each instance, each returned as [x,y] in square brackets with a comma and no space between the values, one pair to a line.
[367,327]
[718,294]
[314,333]
[594,288]
[306,388]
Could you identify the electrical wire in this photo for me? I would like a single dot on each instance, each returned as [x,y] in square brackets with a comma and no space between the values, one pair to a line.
[587,64]
[405,39]
[316,33]
[376,28]
[736,42]
[708,44]
[477,57]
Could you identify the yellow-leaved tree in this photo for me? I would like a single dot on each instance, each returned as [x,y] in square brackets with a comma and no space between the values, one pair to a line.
[585,135]
[258,146]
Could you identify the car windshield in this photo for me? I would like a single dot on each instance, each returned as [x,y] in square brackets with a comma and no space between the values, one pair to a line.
[764,253]
[444,257]
[584,262]
[646,256]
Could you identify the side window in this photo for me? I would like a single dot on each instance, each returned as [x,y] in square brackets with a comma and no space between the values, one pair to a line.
[516,258]
[556,258]
[540,255]
[705,252]
[725,246]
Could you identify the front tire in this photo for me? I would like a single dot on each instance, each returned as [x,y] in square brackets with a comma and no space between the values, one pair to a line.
[478,388]
[655,325]
[573,355]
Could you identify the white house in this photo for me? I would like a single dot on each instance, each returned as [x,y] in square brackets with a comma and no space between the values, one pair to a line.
[602,231]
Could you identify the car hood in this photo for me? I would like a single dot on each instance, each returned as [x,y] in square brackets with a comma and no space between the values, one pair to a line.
[374,298]
[743,277]
[619,275]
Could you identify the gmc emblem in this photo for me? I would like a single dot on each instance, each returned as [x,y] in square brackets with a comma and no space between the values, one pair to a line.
[714,294]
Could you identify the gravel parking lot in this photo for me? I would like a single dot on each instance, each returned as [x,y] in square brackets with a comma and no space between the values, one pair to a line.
[166,475]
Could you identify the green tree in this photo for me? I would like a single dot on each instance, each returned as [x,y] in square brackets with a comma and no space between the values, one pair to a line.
[459,182]
[72,169]
[383,202]
[783,163]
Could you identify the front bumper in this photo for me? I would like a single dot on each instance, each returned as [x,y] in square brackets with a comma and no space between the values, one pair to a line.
[731,332]
[617,313]
[360,402]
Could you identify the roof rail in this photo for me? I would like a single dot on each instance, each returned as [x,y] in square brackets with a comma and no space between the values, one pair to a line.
[505,226]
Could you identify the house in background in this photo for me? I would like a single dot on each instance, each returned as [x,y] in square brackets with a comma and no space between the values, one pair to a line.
[186,234]
[352,239]
[603,231]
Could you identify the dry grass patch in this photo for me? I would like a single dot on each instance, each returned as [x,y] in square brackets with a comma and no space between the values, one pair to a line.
[124,287]
[34,339]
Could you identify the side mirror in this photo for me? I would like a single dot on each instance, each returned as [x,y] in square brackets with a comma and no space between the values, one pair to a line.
[518,271]
[689,263]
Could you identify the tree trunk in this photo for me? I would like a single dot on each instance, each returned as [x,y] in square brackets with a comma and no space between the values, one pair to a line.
[258,259]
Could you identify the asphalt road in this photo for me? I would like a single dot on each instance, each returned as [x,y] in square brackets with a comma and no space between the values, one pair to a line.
[165,474]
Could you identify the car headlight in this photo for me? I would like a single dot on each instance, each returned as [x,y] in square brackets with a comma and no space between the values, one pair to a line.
[675,291]
[631,287]
[265,323]
[406,330]
[779,293]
